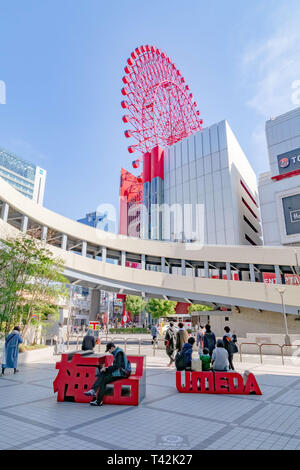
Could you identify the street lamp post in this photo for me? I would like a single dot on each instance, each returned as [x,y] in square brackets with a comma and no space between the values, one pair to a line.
[281,291]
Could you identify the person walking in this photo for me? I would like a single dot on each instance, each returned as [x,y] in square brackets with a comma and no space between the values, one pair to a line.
[200,339]
[60,339]
[229,341]
[120,369]
[88,342]
[182,337]
[170,343]
[154,333]
[219,358]
[11,350]
[209,341]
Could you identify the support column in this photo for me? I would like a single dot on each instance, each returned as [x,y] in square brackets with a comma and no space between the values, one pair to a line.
[206,269]
[123,259]
[252,273]
[278,274]
[84,248]
[104,254]
[163,264]
[64,242]
[95,304]
[183,269]
[228,271]
[24,223]
[4,211]
[143,261]
[44,234]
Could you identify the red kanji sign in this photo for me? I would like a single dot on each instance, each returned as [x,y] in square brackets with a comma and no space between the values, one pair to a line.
[94,325]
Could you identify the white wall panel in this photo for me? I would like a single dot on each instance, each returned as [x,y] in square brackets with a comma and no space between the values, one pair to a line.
[198,144]
[224,159]
[214,140]
[207,164]
[172,178]
[191,147]
[172,158]
[200,167]
[184,152]
[178,176]
[186,194]
[215,159]
[206,141]
[192,170]
[185,173]
[178,155]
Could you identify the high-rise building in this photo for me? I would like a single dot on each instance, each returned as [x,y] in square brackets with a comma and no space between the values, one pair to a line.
[202,188]
[279,188]
[98,220]
[25,176]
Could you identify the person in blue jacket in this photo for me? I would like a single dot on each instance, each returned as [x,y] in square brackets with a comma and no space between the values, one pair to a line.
[11,350]
[187,352]
[209,340]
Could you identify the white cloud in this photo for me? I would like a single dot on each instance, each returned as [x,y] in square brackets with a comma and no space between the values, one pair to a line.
[273,66]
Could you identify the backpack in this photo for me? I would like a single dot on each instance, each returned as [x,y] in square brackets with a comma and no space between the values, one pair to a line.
[210,341]
[172,339]
[180,360]
[127,370]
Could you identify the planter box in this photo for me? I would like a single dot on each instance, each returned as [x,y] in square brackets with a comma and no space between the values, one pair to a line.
[36,355]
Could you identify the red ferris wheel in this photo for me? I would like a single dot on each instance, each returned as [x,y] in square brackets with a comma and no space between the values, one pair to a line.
[159,106]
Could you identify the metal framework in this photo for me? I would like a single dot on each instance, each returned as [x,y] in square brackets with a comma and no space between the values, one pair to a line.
[159,106]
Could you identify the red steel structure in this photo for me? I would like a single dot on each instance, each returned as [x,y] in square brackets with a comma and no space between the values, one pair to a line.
[131,189]
[159,106]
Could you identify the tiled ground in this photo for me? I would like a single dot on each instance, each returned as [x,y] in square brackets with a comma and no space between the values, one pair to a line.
[30,417]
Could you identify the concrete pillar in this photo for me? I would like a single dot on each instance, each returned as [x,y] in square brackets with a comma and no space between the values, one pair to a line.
[95,304]
[4,211]
[123,258]
[163,264]
[44,233]
[24,223]
[278,274]
[183,269]
[206,269]
[228,271]
[84,248]
[104,254]
[252,273]
[143,261]
[64,242]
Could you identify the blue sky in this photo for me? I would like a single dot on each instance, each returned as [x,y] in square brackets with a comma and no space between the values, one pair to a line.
[63,60]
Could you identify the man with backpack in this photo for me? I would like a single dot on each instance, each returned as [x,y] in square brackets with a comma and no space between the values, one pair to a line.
[120,369]
[209,340]
[183,359]
[170,343]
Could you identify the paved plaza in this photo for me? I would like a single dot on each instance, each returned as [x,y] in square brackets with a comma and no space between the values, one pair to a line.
[31,418]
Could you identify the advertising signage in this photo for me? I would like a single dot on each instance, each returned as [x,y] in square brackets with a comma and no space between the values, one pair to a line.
[291,209]
[289,161]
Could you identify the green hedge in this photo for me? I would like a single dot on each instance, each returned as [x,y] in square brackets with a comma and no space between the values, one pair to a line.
[128,330]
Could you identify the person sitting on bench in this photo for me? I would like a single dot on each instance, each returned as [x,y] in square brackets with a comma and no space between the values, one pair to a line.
[220,358]
[110,374]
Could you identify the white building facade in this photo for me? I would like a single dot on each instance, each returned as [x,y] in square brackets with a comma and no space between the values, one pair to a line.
[209,177]
[279,189]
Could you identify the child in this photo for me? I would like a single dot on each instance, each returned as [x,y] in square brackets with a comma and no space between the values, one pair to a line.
[205,359]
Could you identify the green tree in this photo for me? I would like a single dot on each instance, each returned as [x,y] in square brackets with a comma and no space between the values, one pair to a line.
[134,305]
[30,279]
[198,308]
[160,308]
